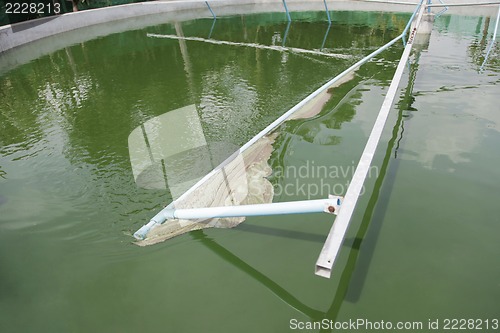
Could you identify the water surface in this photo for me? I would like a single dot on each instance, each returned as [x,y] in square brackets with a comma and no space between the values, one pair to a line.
[423,243]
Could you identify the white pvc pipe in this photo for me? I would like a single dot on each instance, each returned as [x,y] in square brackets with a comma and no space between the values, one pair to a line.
[465,4]
[496,25]
[331,205]
[338,231]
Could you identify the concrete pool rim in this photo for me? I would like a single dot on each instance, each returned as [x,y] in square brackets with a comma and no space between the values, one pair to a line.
[22,33]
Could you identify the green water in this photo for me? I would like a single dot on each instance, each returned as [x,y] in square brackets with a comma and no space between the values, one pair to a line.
[424,239]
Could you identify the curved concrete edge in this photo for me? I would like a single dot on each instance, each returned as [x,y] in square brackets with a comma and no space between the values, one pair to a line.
[25,41]
[14,35]
[18,34]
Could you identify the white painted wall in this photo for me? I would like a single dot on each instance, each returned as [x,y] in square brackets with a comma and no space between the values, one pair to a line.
[139,15]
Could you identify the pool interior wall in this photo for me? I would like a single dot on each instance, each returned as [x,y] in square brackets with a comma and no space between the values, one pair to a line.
[138,15]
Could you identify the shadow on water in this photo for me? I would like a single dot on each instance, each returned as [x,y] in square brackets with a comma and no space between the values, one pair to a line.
[372,220]
[277,232]
[374,214]
[377,206]
[86,121]
[275,288]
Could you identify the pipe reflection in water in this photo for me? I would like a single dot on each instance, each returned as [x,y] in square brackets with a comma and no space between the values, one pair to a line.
[327,12]
[493,40]
[377,206]
[170,152]
[296,50]
[212,28]
[326,35]
[286,33]
[372,220]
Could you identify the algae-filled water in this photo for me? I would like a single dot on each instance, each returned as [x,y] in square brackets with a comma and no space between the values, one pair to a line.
[424,241]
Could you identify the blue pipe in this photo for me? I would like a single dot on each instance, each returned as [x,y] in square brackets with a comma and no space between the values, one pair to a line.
[212,28]
[286,33]
[492,41]
[443,10]
[411,20]
[210,9]
[326,35]
[327,12]
[287,12]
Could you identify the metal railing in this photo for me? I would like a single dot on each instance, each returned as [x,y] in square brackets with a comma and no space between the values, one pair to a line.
[493,40]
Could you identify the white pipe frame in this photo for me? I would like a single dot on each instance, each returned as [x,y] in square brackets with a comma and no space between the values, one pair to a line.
[490,3]
[330,205]
[493,40]
[164,214]
[335,238]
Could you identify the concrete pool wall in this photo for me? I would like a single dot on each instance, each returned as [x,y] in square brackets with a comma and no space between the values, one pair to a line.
[18,34]
[25,41]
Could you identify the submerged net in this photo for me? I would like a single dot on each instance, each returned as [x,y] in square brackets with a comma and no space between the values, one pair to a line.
[242,180]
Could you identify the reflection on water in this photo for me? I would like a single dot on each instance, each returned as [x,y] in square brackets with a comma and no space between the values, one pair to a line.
[67,185]
[69,201]
[442,147]
[170,151]
[447,78]
[262,278]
